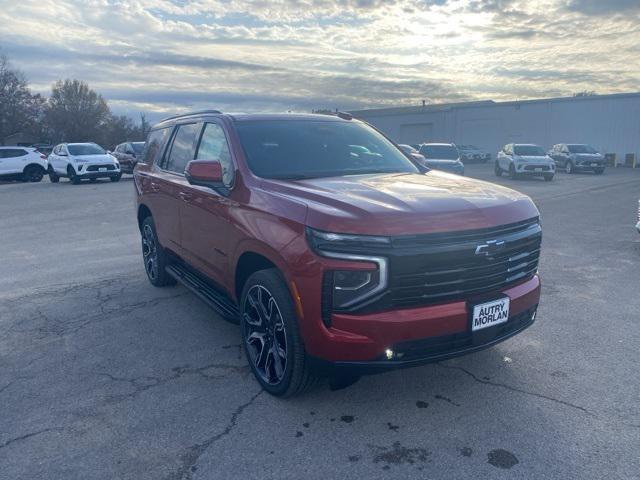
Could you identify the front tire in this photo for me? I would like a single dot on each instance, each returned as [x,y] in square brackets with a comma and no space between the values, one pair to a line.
[33,173]
[569,167]
[271,337]
[116,179]
[512,172]
[548,178]
[598,171]
[73,176]
[497,170]
[154,256]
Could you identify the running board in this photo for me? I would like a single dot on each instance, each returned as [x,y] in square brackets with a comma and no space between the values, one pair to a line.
[199,285]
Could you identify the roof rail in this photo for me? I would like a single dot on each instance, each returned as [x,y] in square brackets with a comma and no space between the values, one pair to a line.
[188,114]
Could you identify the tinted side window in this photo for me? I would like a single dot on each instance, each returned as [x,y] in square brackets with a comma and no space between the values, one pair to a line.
[155,145]
[213,146]
[182,148]
[12,153]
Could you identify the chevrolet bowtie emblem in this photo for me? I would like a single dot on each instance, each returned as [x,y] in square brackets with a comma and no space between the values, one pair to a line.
[490,248]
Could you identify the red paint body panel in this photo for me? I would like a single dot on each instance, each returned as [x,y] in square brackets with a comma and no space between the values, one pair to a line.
[212,231]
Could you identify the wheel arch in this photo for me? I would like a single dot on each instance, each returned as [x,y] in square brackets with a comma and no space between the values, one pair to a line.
[250,262]
[34,164]
[143,212]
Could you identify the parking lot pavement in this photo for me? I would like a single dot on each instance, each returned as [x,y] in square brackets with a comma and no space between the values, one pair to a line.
[103,376]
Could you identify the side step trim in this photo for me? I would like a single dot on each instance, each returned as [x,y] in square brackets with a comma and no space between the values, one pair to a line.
[195,282]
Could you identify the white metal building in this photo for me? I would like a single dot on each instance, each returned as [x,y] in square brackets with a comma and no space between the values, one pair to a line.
[611,123]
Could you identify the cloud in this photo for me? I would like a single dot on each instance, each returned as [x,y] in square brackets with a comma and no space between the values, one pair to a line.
[258,55]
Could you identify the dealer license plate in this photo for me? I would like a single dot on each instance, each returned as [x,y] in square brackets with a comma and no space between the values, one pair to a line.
[102,169]
[489,314]
[538,169]
[594,164]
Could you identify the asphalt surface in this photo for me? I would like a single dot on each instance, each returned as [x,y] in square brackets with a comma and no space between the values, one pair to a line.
[103,376]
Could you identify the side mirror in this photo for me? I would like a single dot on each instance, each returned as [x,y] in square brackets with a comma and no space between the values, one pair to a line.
[205,173]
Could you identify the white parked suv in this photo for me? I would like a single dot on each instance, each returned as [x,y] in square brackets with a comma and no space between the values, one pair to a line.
[78,161]
[520,159]
[25,163]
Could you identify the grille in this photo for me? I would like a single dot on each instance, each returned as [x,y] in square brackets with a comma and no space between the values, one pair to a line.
[95,168]
[450,269]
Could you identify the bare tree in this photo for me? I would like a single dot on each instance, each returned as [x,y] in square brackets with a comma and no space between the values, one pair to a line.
[76,113]
[20,110]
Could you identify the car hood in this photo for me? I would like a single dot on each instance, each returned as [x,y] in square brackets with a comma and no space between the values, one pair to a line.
[401,204]
[106,158]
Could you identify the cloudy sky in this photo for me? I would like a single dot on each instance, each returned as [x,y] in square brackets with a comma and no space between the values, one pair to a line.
[163,56]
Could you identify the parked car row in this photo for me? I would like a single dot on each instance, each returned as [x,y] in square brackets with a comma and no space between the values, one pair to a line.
[75,161]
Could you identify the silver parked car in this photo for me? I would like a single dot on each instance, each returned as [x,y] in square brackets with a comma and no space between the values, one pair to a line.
[573,157]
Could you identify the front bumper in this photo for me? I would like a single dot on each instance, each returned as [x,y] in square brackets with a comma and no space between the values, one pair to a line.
[434,349]
[91,170]
[589,165]
[424,334]
[535,169]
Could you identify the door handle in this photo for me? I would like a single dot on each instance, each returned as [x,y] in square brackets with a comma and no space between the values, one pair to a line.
[186,196]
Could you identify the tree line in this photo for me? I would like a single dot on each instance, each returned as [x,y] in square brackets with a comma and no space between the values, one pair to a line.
[72,113]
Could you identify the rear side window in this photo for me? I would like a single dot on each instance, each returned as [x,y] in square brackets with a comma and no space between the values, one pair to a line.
[12,152]
[213,146]
[155,144]
[182,148]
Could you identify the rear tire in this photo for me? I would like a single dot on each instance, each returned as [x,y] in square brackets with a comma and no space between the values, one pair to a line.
[497,170]
[271,337]
[154,256]
[33,173]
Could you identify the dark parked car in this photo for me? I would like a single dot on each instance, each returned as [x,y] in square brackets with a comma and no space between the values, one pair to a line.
[442,156]
[333,259]
[574,157]
[127,154]
[413,154]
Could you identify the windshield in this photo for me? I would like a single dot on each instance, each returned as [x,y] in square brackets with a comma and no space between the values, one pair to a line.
[85,149]
[581,149]
[307,149]
[443,152]
[529,150]
[138,147]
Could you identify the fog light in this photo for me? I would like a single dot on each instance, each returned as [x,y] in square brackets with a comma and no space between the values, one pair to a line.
[389,353]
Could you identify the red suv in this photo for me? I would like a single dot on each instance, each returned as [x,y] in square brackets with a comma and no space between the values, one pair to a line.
[334,252]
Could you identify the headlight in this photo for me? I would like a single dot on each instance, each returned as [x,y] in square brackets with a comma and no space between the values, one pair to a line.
[343,289]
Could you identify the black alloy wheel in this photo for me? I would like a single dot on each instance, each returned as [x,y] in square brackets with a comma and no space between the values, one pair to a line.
[265,335]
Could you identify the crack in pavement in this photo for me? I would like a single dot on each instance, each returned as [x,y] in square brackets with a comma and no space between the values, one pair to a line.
[28,435]
[194,452]
[519,390]
[143,383]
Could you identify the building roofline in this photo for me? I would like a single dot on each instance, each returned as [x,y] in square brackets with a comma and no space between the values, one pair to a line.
[482,103]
